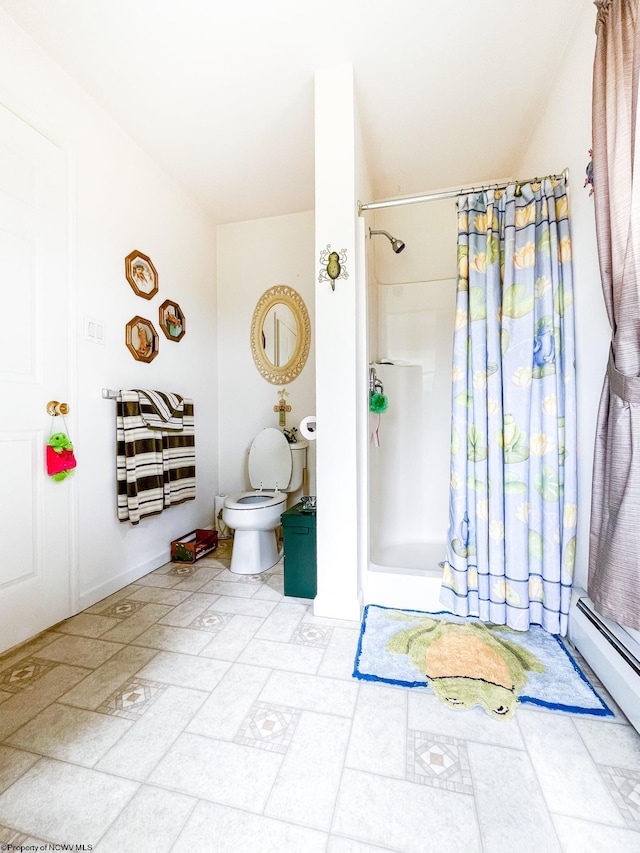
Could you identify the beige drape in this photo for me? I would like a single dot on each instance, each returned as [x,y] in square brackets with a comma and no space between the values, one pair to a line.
[614,558]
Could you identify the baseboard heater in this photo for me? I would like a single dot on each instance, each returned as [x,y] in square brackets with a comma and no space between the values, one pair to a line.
[613,654]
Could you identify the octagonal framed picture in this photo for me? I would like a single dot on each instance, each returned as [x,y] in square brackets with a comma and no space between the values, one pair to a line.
[172,320]
[142,339]
[141,274]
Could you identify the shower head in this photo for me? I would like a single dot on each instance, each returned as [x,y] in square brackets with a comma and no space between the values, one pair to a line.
[396,245]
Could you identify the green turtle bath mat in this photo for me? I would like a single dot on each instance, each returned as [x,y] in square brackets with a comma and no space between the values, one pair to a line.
[467,662]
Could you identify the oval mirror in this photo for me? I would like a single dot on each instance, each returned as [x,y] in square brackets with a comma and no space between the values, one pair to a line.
[280,334]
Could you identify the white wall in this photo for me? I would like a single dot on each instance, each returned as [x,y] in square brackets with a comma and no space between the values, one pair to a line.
[563,138]
[429,231]
[121,201]
[364,193]
[340,351]
[252,257]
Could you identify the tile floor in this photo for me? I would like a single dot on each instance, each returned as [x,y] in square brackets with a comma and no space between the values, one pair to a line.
[198,710]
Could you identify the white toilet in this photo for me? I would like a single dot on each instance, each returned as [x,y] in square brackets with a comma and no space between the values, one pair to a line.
[275,469]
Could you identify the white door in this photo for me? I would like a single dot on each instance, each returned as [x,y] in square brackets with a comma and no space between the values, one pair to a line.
[35,511]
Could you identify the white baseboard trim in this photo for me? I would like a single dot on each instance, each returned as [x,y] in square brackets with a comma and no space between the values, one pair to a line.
[337,607]
[97,593]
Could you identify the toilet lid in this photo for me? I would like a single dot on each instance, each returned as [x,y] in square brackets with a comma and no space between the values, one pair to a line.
[270,460]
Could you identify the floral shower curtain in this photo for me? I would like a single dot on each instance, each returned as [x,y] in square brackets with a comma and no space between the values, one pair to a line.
[512,527]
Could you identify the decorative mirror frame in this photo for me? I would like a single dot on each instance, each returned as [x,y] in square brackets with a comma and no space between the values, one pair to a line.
[280,293]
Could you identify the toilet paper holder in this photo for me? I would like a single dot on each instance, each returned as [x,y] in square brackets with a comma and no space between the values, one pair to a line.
[308,427]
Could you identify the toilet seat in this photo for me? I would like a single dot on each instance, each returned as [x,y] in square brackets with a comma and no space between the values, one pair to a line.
[247,501]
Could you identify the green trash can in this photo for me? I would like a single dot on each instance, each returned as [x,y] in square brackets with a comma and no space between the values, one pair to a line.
[299,533]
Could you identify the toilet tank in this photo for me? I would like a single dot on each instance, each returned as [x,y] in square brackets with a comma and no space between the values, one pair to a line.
[299,463]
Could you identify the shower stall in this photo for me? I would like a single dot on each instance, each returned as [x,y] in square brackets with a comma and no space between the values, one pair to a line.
[411,316]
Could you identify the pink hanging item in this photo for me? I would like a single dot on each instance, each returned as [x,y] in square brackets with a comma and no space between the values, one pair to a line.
[60,458]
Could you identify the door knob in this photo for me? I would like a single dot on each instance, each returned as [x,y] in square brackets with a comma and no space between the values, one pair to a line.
[55,408]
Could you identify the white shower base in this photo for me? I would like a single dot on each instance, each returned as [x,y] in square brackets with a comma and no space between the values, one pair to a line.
[423,556]
[406,575]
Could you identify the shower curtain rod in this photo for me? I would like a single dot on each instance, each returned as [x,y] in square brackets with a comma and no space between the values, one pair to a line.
[449,193]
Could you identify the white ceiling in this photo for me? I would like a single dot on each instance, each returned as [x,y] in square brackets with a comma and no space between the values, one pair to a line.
[220,94]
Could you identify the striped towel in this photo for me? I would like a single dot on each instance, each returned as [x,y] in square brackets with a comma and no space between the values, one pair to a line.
[160,410]
[155,466]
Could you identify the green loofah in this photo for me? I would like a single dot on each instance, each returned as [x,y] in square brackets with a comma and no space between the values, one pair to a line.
[378,403]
